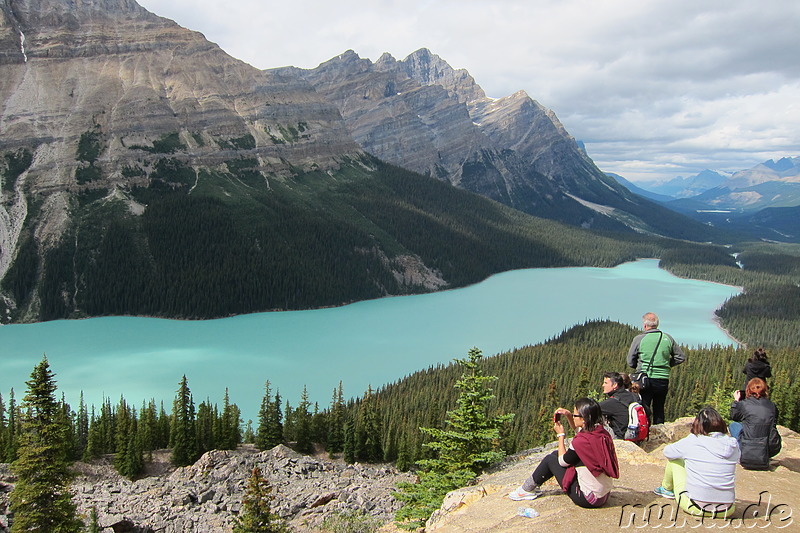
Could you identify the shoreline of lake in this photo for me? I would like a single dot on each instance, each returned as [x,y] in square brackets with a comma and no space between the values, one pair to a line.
[366,343]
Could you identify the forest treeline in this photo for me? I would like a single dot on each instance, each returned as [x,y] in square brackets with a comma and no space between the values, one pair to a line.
[383,424]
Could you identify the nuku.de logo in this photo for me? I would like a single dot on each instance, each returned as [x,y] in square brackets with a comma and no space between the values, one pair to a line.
[759,515]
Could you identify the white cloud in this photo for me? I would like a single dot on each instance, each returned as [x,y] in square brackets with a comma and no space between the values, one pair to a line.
[654,89]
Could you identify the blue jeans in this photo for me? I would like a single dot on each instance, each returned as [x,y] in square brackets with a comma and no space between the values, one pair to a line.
[735,428]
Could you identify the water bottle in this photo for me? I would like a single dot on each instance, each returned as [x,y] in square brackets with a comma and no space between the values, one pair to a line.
[527,512]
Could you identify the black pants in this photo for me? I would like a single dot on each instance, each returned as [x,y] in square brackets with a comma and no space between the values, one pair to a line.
[548,468]
[654,398]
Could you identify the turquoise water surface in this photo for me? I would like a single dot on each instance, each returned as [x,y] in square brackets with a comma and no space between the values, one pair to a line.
[367,343]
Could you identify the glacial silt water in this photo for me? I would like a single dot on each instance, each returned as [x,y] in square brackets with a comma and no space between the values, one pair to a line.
[366,343]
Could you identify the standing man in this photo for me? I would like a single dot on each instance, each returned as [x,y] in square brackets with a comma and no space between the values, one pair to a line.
[655,352]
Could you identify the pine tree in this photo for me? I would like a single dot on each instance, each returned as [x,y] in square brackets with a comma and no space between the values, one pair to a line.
[82,428]
[257,516]
[262,439]
[469,443]
[350,449]
[303,424]
[41,500]
[369,436]
[275,426]
[182,430]
[12,433]
[335,439]
[205,427]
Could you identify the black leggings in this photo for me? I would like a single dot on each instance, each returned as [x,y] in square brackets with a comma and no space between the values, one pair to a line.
[548,468]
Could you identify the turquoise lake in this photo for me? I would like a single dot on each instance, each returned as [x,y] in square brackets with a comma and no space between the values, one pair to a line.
[366,343]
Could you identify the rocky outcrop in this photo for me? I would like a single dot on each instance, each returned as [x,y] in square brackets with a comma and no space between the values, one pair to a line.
[207,496]
[764,500]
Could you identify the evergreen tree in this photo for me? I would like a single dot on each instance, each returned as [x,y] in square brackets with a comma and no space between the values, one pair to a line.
[275,425]
[41,500]
[303,424]
[81,428]
[249,436]
[350,449]
[182,431]
[469,443]
[206,440]
[261,438]
[124,425]
[335,440]
[12,432]
[94,523]
[231,433]
[257,516]
[369,435]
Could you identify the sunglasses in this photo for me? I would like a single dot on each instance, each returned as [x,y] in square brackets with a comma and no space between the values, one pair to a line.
[577,415]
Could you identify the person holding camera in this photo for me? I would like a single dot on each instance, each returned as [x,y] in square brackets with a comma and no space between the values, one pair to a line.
[586,468]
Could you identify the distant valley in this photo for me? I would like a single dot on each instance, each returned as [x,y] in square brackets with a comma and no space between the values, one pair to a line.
[762,202]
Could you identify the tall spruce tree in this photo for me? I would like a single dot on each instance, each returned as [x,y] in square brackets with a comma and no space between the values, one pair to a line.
[12,433]
[469,443]
[336,422]
[41,500]
[303,424]
[182,431]
[270,422]
[369,432]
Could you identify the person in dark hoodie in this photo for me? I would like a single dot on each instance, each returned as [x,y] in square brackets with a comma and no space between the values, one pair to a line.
[757,366]
[586,468]
[615,407]
[754,425]
[701,472]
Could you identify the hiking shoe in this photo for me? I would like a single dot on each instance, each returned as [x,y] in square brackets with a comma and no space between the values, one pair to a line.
[520,494]
[661,491]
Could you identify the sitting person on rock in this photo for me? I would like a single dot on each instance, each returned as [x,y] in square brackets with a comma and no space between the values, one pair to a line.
[754,425]
[615,407]
[585,469]
[701,472]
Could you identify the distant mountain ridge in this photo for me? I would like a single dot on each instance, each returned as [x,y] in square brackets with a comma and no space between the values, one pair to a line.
[768,184]
[423,115]
[761,202]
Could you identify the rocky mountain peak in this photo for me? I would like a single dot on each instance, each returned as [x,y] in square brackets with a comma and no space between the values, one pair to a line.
[428,68]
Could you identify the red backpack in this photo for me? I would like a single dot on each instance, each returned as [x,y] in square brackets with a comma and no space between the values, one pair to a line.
[638,423]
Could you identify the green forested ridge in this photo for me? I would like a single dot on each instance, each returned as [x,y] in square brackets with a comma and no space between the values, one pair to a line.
[214,243]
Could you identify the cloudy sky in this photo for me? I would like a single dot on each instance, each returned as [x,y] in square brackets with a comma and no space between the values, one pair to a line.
[655,89]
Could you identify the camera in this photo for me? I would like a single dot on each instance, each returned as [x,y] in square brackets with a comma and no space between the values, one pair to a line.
[555,417]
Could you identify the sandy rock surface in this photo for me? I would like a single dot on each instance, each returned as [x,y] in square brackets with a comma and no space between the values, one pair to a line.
[765,501]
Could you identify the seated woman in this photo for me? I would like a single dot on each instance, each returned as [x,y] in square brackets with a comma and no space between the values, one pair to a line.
[584,470]
[702,467]
[754,420]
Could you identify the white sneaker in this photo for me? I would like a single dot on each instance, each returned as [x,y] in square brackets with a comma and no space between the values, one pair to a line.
[519,494]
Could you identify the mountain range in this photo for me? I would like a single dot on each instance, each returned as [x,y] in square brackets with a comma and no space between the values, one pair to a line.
[761,202]
[145,171]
